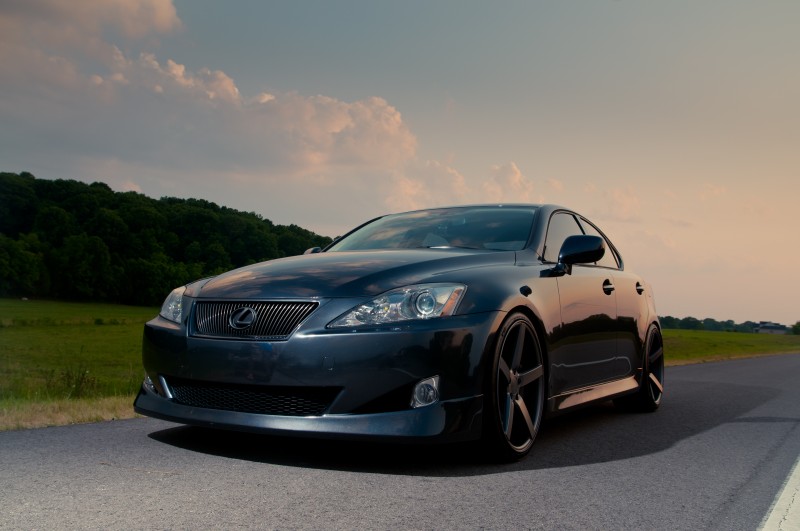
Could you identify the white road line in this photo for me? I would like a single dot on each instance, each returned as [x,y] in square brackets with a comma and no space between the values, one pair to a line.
[785,511]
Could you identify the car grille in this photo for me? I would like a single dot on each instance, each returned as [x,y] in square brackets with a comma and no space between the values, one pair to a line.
[286,401]
[272,321]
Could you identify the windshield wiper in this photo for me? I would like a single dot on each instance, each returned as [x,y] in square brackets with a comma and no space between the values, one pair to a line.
[448,247]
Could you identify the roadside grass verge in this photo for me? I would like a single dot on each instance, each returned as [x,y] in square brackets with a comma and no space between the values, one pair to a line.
[682,347]
[24,414]
[64,363]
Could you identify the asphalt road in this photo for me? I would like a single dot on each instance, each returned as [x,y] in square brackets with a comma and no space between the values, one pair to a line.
[713,457]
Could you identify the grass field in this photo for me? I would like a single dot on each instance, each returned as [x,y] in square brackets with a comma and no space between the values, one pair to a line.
[697,346]
[64,362]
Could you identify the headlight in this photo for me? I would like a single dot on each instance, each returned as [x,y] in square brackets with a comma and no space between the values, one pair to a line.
[424,301]
[172,308]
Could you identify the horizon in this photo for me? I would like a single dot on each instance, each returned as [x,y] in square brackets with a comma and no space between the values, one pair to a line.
[267,219]
[671,126]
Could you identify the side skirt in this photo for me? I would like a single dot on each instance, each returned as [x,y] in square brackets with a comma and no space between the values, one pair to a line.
[606,391]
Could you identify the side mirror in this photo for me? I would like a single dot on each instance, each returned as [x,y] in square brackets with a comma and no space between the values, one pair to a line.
[579,249]
[313,250]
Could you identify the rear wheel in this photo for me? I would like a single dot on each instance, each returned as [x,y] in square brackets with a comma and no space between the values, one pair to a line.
[515,391]
[651,388]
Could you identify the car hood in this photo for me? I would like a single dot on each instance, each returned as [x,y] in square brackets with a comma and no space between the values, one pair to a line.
[345,274]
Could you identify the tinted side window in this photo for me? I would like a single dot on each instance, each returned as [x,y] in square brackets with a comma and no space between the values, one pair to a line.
[608,260]
[562,225]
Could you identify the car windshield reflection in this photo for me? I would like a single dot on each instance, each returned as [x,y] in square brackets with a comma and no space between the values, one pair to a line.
[480,228]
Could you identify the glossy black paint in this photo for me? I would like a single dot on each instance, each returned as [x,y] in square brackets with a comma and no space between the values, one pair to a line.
[592,322]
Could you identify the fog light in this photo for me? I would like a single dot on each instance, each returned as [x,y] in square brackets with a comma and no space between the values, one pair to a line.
[426,392]
[159,389]
[148,385]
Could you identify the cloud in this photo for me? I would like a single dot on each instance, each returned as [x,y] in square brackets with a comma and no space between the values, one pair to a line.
[65,28]
[625,205]
[142,122]
[620,205]
[89,18]
[66,83]
[130,187]
[507,184]
[153,124]
[555,185]
[410,194]
[711,191]
[433,184]
[678,222]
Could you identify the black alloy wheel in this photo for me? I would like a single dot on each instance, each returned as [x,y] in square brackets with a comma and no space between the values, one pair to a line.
[516,389]
[654,381]
[651,388]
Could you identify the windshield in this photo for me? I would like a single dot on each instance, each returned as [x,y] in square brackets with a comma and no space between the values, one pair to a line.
[488,228]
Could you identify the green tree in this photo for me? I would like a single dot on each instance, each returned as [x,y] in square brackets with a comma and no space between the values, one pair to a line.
[148,281]
[53,224]
[85,271]
[83,205]
[216,259]
[796,328]
[22,269]
[691,323]
[107,225]
[669,322]
[18,203]
[68,239]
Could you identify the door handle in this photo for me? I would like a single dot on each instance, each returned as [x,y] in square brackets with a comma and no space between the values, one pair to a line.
[639,288]
[608,287]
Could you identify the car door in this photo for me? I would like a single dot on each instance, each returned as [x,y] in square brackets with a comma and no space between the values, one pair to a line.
[584,349]
[631,305]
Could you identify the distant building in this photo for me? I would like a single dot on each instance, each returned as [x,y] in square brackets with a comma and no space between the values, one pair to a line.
[767,327]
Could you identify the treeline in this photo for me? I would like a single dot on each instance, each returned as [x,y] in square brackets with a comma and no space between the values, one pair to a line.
[691,323]
[66,239]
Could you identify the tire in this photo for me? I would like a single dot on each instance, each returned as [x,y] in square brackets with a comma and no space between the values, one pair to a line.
[651,388]
[515,390]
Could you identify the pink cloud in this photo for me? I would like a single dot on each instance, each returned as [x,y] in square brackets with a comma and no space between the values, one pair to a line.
[61,70]
[508,184]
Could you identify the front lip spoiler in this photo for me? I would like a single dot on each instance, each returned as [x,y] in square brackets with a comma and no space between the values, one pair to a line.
[446,421]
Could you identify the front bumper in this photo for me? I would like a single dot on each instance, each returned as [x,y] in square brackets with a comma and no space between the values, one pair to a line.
[450,421]
[373,372]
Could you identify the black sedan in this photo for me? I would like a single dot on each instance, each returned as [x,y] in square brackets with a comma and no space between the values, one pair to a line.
[450,324]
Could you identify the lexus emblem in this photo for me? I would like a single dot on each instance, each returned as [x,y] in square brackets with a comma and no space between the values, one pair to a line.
[242,318]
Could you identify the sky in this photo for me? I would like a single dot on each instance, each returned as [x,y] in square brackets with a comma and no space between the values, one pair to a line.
[674,126]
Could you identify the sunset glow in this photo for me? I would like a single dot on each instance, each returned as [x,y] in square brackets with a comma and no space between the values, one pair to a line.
[675,126]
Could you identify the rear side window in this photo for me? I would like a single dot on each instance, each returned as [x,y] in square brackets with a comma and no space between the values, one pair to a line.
[609,258]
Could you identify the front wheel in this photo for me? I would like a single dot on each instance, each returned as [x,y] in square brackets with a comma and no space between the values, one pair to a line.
[515,390]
